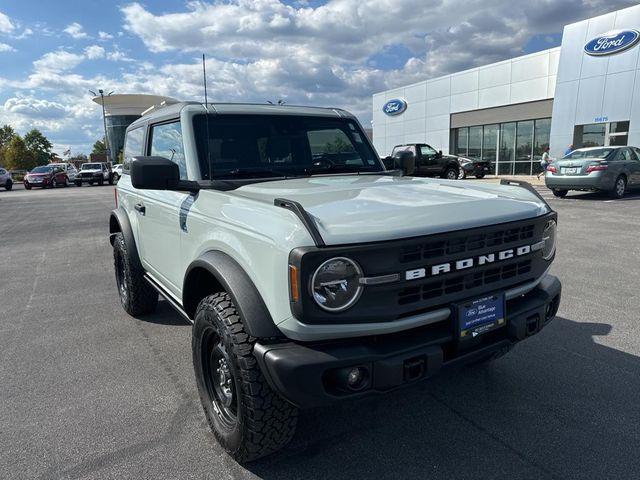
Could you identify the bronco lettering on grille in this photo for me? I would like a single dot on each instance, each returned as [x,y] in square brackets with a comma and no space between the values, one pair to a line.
[465,263]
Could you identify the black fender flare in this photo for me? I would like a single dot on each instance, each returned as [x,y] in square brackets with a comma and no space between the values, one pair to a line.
[119,223]
[231,278]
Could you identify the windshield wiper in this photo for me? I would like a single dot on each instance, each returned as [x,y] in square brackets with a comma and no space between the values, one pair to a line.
[253,171]
[338,168]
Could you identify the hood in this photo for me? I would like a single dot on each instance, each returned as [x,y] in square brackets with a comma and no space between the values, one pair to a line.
[367,208]
[39,175]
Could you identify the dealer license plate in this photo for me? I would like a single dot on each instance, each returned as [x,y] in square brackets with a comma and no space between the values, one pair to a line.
[481,315]
[570,171]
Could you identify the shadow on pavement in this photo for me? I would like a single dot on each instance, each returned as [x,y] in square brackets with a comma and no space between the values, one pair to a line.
[560,405]
[164,315]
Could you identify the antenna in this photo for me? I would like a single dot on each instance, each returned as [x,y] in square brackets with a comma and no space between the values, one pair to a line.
[204,76]
[206,113]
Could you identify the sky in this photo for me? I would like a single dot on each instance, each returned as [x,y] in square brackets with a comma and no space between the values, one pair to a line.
[307,52]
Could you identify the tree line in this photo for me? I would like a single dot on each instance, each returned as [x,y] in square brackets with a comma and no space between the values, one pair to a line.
[23,153]
[32,150]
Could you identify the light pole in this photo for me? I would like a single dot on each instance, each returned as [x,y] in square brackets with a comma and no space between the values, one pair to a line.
[104,121]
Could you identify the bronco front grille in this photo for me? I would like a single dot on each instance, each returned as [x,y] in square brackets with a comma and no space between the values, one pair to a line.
[411,295]
[458,284]
[466,243]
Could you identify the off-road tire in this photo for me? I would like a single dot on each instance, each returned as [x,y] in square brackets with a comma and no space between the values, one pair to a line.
[619,187]
[264,422]
[136,295]
[8,186]
[559,193]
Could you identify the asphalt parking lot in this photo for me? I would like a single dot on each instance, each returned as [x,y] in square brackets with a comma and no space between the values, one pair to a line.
[88,392]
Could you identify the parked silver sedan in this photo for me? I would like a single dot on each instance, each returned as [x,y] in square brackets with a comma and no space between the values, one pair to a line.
[610,169]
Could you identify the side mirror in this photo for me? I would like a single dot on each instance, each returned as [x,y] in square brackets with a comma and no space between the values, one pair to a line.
[388,163]
[407,162]
[439,153]
[159,173]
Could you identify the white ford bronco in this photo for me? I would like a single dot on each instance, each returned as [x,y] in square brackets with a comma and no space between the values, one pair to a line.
[310,272]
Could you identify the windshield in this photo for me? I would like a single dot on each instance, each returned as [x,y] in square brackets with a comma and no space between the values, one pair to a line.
[42,170]
[261,146]
[90,166]
[591,153]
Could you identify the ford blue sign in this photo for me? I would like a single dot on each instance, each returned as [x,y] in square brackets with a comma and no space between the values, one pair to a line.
[394,107]
[612,42]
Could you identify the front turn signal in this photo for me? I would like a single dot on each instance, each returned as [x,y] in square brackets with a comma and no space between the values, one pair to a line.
[293,283]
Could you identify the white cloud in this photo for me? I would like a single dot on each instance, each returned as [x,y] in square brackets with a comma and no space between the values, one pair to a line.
[34,107]
[104,36]
[6,48]
[94,51]
[57,61]
[6,25]
[27,32]
[75,30]
[118,56]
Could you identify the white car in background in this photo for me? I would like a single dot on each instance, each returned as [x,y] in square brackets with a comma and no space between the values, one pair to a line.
[117,172]
[69,169]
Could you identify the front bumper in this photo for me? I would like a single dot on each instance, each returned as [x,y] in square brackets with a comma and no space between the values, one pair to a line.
[593,181]
[476,169]
[310,375]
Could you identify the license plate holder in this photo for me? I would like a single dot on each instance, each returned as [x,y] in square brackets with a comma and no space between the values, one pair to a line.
[480,315]
[570,170]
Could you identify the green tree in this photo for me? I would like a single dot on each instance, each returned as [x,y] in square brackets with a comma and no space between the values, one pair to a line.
[79,158]
[39,146]
[17,156]
[6,134]
[99,147]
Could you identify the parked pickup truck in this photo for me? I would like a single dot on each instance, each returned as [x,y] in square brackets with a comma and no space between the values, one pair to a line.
[312,274]
[432,163]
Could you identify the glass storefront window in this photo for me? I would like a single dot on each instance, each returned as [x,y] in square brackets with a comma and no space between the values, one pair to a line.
[507,145]
[462,137]
[524,141]
[490,143]
[593,135]
[541,141]
[516,147]
[475,142]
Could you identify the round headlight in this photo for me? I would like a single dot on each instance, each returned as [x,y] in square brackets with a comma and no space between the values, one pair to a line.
[549,237]
[335,285]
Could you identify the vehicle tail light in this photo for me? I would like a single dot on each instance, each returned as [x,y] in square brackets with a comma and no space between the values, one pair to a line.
[552,169]
[597,168]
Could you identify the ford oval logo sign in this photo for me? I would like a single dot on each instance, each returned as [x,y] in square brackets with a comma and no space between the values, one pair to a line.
[612,42]
[394,107]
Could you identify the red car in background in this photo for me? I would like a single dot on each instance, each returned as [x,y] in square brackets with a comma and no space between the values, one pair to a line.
[46,176]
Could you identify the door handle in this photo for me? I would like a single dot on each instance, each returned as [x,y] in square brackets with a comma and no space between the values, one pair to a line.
[140,208]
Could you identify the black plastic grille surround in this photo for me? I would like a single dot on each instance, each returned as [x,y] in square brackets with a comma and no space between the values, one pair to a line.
[388,302]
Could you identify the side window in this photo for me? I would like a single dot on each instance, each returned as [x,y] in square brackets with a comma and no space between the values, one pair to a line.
[632,154]
[133,145]
[166,141]
[636,151]
[624,155]
[427,150]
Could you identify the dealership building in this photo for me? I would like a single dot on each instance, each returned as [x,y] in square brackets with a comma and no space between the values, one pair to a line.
[122,110]
[584,93]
